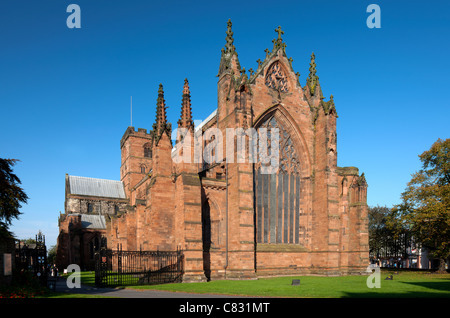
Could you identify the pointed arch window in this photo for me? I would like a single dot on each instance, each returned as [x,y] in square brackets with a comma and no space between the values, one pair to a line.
[277,195]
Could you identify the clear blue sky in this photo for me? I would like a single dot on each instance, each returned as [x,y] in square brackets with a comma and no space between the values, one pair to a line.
[65,93]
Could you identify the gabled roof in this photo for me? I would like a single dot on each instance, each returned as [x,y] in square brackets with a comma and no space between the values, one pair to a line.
[95,187]
[91,221]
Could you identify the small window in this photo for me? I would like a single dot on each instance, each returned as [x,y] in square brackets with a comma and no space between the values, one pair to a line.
[142,169]
[90,208]
[147,150]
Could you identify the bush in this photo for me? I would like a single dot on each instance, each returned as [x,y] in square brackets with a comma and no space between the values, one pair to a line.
[23,285]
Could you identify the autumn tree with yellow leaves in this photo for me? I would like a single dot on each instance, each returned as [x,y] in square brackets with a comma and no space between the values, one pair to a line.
[425,207]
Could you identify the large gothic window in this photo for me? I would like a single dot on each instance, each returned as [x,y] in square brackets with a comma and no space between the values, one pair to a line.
[277,195]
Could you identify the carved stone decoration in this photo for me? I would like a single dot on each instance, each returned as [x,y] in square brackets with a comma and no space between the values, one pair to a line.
[276,79]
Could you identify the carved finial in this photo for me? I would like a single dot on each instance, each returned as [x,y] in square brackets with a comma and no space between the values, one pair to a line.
[331,104]
[312,79]
[278,43]
[259,62]
[312,65]
[243,71]
[186,87]
[279,32]
[362,181]
[161,124]
[290,60]
[228,53]
[161,119]
[251,72]
[229,47]
[186,110]
[267,52]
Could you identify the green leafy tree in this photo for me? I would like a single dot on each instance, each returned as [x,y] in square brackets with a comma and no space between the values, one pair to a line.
[377,229]
[386,240]
[425,207]
[51,254]
[12,195]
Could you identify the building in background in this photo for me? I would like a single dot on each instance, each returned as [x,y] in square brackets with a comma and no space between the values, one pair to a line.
[87,202]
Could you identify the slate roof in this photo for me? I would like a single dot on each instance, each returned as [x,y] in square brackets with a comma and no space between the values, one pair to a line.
[95,187]
[92,221]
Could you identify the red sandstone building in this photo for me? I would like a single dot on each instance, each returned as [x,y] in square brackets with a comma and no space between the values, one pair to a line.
[230,218]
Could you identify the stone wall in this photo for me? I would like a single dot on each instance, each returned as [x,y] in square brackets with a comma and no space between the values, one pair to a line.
[7,260]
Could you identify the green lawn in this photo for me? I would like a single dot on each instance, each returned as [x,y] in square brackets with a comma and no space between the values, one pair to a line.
[404,284]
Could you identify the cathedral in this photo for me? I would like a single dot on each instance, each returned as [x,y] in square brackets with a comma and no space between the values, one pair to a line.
[232,217]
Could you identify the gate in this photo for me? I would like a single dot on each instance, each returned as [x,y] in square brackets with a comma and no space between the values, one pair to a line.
[33,258]
[119,268]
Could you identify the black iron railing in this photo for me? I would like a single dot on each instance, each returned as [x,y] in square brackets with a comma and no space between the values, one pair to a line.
[119,268]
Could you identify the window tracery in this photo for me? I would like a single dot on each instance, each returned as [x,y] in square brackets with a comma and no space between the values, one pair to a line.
[276,79]
[277,195]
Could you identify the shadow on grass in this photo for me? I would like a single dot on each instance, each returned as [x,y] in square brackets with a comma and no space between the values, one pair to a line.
[396,295]
[439,289]
[442,285]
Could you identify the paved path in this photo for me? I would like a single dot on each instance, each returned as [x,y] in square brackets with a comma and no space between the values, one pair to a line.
[61,286]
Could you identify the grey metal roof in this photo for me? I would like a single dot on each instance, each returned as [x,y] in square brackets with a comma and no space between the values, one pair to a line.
[96,187]
[89,221]
[92,221]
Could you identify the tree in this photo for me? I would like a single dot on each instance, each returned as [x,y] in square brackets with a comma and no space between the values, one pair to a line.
[51,254]
[425,207]
[12,195]
[377,229]
[386,240]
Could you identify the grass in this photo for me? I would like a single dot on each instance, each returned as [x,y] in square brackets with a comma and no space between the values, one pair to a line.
[404,284]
